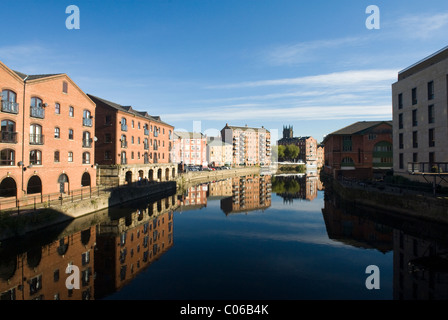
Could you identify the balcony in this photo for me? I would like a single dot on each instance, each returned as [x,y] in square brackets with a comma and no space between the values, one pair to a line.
[36,139]
[124,144]
[124,161]
[10,107]
[124,127]
[146,132]
[87,122]
[146,146]
[37,112]
[8,137]
[87,143]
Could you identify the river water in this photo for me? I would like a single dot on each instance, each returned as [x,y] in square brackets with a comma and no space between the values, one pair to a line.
[246,238]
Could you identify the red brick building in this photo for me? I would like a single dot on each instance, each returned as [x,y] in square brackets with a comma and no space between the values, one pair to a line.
[361,150]
[47,131]
[134,140]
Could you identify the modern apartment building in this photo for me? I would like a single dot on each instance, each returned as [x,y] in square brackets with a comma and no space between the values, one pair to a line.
[190,148]
[219,153]
[420,106]
[251,146]
[134,140]
[361,150]
[47,135]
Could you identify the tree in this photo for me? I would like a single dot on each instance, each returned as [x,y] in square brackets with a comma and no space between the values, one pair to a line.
[291,152]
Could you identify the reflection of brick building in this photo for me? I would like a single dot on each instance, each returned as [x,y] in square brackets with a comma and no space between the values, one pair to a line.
[360,150]
[129,244]
[295,187]
[248,193]
[40,273]
[221,188]
[355,229]
[195,197]
[46,137]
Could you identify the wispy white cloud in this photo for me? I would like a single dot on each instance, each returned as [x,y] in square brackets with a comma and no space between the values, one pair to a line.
[344,78]
[422,26]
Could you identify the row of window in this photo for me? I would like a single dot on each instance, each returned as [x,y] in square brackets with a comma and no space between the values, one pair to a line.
[431,139]
[148,128]
[7,157]
[431,157]
[414,95]
[430,113]
[37,107]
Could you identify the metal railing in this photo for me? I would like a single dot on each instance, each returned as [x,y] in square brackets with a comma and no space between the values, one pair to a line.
[10,107]
[428,167]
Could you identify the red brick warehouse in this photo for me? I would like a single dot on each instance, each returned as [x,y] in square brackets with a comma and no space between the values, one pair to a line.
[47,135]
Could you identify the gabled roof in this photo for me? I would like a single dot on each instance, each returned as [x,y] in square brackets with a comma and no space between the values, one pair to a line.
[35,76]
[128,109]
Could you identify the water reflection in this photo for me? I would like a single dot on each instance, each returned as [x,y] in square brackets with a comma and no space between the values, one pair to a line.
[112,247]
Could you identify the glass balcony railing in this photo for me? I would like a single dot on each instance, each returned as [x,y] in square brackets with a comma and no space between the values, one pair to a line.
[37,112]
[8,137]
[87,122]
[36,139]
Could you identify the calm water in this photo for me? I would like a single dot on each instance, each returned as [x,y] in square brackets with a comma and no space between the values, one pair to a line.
[249,238]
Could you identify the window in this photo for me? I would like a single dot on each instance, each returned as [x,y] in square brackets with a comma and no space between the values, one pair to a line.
[132,124]
[35,157]
[414,139]
[138,125]
[37,110]
[108,120]
[87,118]
[400,121]
[347,143]
[430,90]
[7,157]
[414,118]
[9,103]
[415,157]
[57,108]
[86,158]
[36,136]
[8,131]
[107,155]
[400,101]
[70,134]
[70,156]
[124,126]
[347,161]
[431,113]
[56,156]
[414,96]
[86,140]
[431,138]
[132,139]
[107,138]
[64,87]
[57,133]
[400,141]
[71,111]
[401,161]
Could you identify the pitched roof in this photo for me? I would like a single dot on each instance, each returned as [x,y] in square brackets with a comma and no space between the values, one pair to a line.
[359,127]
[34,76]
[244,128]
[128,109]
[188,135]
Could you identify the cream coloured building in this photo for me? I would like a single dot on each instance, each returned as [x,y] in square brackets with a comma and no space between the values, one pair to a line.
[420,117]
[219,153]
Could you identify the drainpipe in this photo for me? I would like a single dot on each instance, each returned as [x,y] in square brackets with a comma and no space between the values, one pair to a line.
[23,133]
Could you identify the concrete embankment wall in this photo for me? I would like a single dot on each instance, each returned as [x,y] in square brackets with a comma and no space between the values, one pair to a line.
[414,205]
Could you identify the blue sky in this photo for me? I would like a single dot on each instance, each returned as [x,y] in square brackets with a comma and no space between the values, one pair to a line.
[200,64]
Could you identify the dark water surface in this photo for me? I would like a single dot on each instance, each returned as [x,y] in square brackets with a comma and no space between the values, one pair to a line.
[252,239]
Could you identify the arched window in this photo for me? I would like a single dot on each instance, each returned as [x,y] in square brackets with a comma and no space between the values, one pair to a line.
[86,157]
[124,143]
[56,156]
[86,140]
[8,187]
[35,157]
[57,133]
[37,108]
[85,179]
[36,136]
[124,126]
[7,157]
[8,131]
[9,102]
[87,118]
